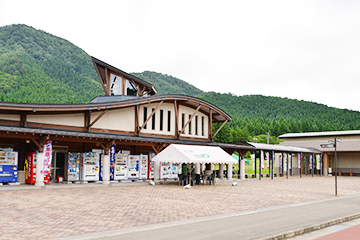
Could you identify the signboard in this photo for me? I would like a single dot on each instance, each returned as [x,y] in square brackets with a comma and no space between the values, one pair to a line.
[327,145]
[47,158]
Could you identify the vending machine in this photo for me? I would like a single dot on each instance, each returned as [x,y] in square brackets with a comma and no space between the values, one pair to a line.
[151,173]
[73,167]
[121,170]
[31,169]
[133,167]
[143,166]
[8,166]
[89,167]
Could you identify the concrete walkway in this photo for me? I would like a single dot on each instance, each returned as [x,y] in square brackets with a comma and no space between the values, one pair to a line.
[65,211]
[267,223]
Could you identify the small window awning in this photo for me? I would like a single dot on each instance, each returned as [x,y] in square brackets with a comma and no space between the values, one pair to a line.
[178,153]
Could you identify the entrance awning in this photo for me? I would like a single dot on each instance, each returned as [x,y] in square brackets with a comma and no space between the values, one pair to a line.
[178,153]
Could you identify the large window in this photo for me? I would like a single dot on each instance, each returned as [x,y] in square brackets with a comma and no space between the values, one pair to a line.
[196,125]
[115,85]
[153,120]
[169,121]
[202,126]
[182,120]
[161,119]
[131,89]
[189,124]
[145,116]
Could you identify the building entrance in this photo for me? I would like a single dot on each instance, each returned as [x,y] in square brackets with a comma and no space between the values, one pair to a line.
[59,158]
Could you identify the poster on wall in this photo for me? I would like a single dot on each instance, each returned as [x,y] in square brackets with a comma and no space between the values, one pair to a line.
[318,162]
[267,159]
[299,160]
[47,158]
[310,161]
[262,159]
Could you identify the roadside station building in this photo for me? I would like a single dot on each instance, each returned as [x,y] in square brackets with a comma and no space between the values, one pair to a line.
[348,149]
[130,115]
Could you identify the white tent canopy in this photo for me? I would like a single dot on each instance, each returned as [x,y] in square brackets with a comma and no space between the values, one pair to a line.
[178,153]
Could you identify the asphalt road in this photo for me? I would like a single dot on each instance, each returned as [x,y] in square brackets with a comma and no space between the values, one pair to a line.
[255,224]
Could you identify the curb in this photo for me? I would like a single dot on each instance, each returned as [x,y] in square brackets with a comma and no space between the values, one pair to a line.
[315,227]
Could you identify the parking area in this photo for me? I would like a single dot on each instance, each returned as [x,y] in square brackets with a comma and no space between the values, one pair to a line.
[63,210]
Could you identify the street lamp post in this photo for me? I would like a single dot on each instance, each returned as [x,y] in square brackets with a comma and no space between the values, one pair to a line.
[333,144]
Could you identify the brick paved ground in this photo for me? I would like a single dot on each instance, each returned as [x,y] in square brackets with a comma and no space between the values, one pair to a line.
[47,213]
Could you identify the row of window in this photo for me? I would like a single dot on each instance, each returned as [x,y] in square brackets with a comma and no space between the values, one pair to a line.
[183,122]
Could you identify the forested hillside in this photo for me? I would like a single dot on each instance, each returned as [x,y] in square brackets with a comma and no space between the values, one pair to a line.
[165,84]
[38,67]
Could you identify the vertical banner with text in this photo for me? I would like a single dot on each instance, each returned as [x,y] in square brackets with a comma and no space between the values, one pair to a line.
[112,162]
[310,162]
[47,158]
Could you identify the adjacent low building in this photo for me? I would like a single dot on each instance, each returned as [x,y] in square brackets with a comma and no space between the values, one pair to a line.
[348,149]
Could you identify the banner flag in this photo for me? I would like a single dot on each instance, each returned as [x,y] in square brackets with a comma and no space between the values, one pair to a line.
[310,161]
[47,158]
[262,159]
[299,160]
[281,162]
[112,162]
[267,159]
[253,162]
[318,162]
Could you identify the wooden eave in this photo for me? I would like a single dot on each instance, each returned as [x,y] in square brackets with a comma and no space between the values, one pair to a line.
[218,114]
[53,134]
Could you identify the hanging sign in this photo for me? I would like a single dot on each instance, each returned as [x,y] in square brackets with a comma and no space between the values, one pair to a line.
[47,158]
[262,159]
[267,159]
[310,161]
[318,162]
[299,160]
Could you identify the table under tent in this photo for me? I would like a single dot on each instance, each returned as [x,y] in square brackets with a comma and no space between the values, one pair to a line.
[194,155]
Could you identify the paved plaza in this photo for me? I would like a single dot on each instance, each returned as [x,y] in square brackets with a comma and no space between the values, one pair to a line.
[28,212]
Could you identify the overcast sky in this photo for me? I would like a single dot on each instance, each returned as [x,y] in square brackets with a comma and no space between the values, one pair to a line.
[305,50]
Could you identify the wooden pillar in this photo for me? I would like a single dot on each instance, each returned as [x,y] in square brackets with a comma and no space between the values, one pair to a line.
[325,164]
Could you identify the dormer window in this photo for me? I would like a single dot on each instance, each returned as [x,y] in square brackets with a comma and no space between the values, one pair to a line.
[115,85]
[131,89]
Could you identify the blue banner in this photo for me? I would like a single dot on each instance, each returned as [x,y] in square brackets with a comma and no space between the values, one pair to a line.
[112,162]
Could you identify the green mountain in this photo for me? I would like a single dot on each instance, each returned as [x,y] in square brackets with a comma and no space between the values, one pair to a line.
[38,67]
[166,84]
